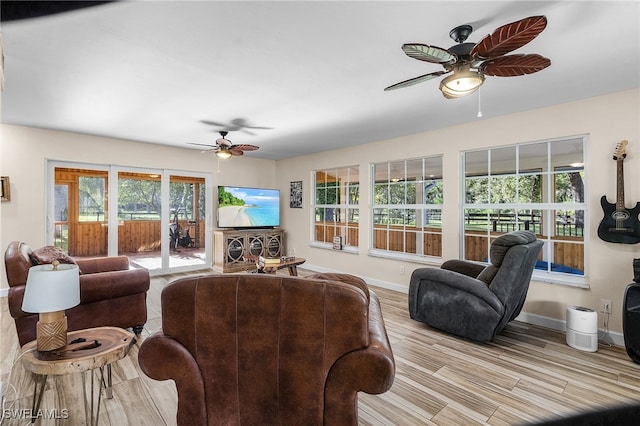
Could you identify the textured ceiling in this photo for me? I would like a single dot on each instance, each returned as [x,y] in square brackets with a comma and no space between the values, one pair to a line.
[310,74]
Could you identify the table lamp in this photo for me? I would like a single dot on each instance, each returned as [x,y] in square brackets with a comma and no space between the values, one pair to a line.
[49,291]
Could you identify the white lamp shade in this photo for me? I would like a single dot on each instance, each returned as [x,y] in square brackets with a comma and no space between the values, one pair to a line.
[50,290]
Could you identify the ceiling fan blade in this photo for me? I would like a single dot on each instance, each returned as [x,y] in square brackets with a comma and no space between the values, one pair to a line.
[235,125]
[17,10]
[244,147]
[514,65]
[236,152]
[433,54]
[415,80]
[258,127]
[200,144]
[509,37]
[213,123]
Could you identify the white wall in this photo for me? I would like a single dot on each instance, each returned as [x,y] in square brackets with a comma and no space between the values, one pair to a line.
[24,152]
[606,120]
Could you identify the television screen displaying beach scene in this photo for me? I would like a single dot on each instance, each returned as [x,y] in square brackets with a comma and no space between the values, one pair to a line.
[240,207]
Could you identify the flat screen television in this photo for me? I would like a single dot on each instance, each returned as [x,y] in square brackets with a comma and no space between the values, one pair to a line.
[242,207]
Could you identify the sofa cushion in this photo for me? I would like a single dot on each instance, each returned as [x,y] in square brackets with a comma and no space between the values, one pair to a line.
[48,254]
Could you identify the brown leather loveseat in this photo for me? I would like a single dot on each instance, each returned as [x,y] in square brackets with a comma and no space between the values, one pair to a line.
[111,294]
[268,349]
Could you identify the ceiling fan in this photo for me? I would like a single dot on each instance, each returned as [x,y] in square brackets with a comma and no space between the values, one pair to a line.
[224,148]
[471,62]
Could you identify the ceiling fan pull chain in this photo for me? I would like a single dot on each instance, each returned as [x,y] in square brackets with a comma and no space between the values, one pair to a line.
[479,105]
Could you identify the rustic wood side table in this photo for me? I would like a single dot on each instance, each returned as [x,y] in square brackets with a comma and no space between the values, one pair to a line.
[291,264]
[87,350]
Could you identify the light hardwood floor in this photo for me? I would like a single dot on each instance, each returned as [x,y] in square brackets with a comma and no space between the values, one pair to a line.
[528,373]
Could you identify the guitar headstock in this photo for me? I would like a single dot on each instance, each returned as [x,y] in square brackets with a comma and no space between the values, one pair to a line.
[621,150]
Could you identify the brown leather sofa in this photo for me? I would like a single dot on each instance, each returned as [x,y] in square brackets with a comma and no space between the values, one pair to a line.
[269,349]
[111,294]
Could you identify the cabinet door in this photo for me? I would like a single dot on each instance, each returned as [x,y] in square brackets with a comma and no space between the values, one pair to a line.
[256,245]
[274,244]
[235,248]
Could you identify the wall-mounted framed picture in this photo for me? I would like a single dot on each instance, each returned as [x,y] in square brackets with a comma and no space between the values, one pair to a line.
[5,189]
[295,197]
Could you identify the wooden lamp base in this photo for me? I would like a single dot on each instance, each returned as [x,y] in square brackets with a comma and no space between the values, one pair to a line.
[51,331]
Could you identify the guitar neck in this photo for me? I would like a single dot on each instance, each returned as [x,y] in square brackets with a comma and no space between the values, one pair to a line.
[619,185]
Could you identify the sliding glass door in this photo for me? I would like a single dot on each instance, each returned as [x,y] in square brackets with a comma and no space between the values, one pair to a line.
[187,203]
[161,222]
[140,217]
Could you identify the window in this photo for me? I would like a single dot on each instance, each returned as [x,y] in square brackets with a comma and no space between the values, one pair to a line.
[139,196]
[92,199]
[186,197]
[337,194]
[80,213]
[537,187]
[407,207]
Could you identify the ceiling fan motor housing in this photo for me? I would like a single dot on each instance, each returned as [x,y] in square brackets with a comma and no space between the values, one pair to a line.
[461,33]
[462,50]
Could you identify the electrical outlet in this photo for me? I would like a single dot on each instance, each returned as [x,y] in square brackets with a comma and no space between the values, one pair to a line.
[605,306]
[402,270]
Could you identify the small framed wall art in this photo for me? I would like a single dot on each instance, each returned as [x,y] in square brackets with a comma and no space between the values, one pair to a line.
[295,197]
[5,189]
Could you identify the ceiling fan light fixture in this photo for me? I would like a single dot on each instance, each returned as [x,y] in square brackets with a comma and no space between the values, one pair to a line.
[223,153]
[461,84]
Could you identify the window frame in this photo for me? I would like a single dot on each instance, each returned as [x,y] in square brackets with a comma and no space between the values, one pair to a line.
[548,207]
[346,205]
[420,210]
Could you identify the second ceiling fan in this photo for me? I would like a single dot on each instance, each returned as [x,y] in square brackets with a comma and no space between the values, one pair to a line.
[471,62]
[224,148]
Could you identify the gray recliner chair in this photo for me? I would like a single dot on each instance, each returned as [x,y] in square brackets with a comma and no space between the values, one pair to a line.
[472,300]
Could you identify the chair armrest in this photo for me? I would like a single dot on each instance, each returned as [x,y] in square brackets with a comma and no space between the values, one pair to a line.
[371,370]
[103,264]
[14,300]
[93,288]
[163,358]
[110,285]
[470,269]
[456,283]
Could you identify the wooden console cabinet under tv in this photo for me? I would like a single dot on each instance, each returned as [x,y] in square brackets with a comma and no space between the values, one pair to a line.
[231,247]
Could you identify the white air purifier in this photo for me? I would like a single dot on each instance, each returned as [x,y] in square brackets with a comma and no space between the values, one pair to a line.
[582,328]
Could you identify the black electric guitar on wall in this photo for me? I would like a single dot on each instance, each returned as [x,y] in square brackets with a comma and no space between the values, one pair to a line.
[619,224]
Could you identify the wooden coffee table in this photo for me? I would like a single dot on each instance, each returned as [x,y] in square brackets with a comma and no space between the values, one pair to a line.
[87,350]
[269,268]
[289,264]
